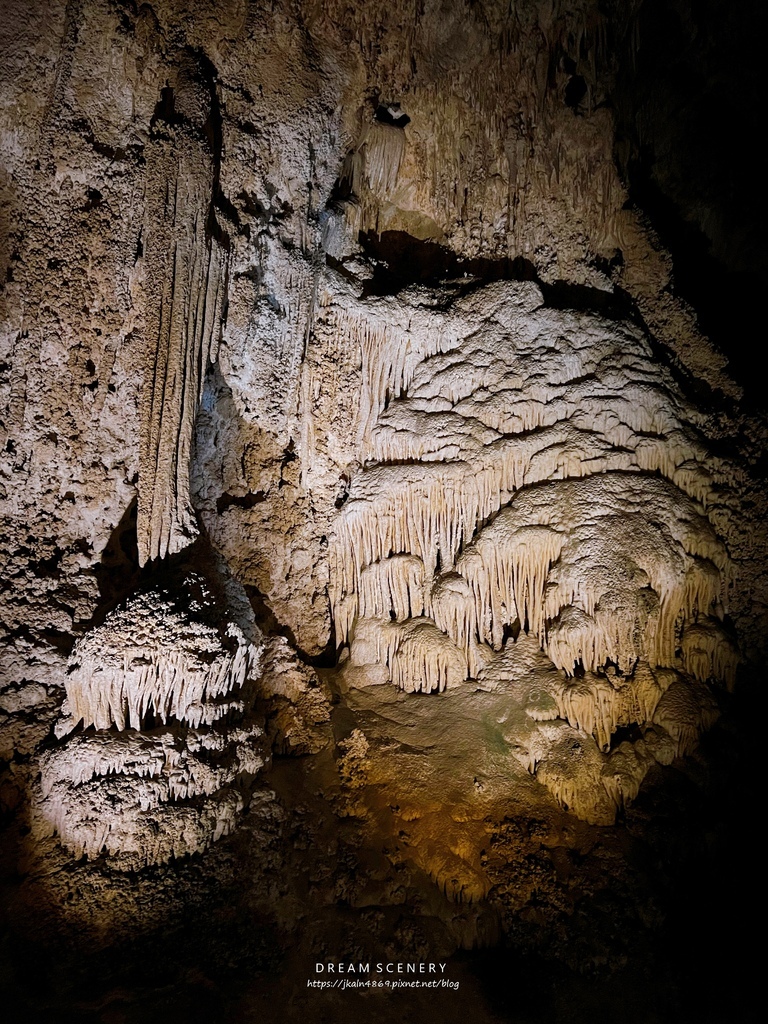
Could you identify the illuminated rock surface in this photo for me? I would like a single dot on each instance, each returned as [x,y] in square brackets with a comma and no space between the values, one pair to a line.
[383,543]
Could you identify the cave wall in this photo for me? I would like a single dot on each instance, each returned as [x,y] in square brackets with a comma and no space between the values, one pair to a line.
[498,159]
[368,316]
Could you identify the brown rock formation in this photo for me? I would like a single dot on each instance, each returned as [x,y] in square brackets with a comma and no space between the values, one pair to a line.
[349,406]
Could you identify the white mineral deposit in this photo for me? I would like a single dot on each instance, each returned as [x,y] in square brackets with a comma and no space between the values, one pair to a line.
[382,475]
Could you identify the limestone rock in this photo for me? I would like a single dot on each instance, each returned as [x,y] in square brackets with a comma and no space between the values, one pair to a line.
[360,297]
[298,703]
[174,653]
[144,798]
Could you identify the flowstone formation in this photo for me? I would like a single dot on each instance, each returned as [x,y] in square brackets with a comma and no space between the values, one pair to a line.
[381,529]
[163,690]
[532,469]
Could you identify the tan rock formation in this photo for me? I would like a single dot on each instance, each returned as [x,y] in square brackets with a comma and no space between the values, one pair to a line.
[186,281]
[357,296]
[179,652]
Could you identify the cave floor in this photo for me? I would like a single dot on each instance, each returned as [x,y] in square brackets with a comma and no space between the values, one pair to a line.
[413,836]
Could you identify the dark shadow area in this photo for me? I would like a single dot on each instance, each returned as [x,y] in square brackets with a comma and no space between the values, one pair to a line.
[249,500]
[688,101]
[400,261]
[391,114]
[118,573]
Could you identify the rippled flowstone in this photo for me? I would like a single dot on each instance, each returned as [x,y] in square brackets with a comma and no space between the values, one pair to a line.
[533,470]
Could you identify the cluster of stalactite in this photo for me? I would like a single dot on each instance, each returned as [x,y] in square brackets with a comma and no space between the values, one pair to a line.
[169,744]
[186,265]
[145,797]
[535,470]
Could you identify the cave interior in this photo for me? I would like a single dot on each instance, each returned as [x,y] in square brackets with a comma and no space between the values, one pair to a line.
[383,475]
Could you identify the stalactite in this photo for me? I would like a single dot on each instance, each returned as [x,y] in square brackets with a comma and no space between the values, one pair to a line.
[615,567]
[600,704]
[419,656]
[624,771]
[142,834]
[571,767]
[539,473]
[174,766]
[708,652]
[383,146]
[144,798]
[513,465]
[394,586]
[419,510]
[186,280]
[685,711]
[391,347]
[510,575]
[183,650]
[454,403]
[152,657]
[594,783]
[180,651]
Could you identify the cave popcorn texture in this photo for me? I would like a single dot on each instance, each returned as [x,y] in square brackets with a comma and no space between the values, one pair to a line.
[156,656]
[517,478]
[169,670]
[528,469]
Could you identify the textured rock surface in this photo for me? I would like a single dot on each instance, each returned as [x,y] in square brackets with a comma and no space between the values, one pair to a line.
[133,796]
[165,654]
[175,654]
[350,412]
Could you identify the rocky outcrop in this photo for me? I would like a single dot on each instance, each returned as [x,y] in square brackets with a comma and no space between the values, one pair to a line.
[350,413]
[163,689]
